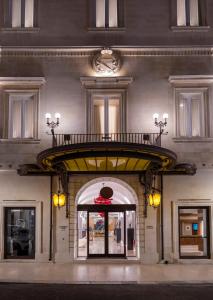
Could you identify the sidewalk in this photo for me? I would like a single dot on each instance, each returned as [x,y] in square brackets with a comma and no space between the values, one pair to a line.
[110,273]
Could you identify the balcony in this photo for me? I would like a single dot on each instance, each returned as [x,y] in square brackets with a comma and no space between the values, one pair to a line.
[130,138]
[115,152]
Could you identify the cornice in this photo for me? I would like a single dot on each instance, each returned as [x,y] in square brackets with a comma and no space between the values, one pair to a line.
[79,51]
[101,82]
[22,81]
[190,79]
[47,51]
[166,51]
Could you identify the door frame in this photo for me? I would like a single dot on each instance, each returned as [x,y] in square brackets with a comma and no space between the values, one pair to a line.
[106,209]
[207,208]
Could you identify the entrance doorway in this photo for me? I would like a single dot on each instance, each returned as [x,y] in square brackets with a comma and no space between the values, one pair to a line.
[106,230]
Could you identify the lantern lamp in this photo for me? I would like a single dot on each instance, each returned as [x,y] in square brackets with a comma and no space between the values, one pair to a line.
[154,200]
[59,199]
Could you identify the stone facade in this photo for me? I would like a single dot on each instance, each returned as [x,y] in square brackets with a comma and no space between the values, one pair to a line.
[158,57]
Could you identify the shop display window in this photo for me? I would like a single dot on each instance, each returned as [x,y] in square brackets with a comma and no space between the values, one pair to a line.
[20,233]
[194,232]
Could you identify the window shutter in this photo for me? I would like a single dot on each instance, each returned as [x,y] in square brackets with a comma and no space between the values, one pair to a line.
[113,13]
[16,13]
[29,13]
[120,13]
[202,13]
[194,15]
[100,13]
[92,13]
[181,13]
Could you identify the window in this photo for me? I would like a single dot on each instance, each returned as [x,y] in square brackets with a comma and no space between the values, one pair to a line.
[19,233]
[20,13]
[191,13]
[194,232]
[22,114]
[191,112]
[106,14]
[106,113]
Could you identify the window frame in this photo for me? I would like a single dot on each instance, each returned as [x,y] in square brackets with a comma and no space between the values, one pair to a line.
[203,18]
[7,128]
[207,231]
[204,122]
[6,24]
[120,17]
[106,93]
[5,233]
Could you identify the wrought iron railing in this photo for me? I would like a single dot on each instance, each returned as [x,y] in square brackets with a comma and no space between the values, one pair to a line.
[132,138]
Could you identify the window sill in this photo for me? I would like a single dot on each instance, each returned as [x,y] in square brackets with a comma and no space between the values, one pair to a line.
[190,28]
[19,141]
[193,140]
[106,29]
[20,29]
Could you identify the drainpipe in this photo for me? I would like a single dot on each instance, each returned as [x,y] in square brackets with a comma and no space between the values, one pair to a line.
[161,216]
[51,218]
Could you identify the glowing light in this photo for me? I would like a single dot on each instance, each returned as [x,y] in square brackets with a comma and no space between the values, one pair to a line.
[59,199]
[155,116]
[155,200]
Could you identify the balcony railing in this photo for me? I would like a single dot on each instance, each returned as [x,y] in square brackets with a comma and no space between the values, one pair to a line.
[132,138]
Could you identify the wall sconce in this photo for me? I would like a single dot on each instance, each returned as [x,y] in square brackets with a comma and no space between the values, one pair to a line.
[155,199]
[52,125]
[59,199]
[161,124]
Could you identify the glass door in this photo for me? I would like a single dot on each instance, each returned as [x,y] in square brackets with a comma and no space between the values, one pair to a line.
[106,230]
[96,234]
[116,233]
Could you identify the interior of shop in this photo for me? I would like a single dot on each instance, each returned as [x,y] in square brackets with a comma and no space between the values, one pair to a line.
[193,232]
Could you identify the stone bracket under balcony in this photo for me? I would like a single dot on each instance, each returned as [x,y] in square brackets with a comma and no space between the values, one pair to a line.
[122,152]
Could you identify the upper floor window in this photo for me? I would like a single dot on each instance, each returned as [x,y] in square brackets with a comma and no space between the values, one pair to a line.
[106,113]
[191,13]
[106,14]
[20,13]
[22,114]
[191,112]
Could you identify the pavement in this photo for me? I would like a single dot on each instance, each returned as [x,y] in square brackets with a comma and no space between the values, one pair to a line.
[105,273]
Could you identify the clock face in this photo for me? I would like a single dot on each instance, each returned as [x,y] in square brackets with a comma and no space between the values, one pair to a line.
[107,63]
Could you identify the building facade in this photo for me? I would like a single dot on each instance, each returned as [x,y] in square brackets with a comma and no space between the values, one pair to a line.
[106,66]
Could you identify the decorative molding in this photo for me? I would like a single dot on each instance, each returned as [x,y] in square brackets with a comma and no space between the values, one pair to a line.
[22,81]
[165,51]
[190,28]
[193,140]
[20,30]
[109,82]
[106,62]
[19,141]
[48,51]
[107,29]
[193,202]
[139,51]
[191,79]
